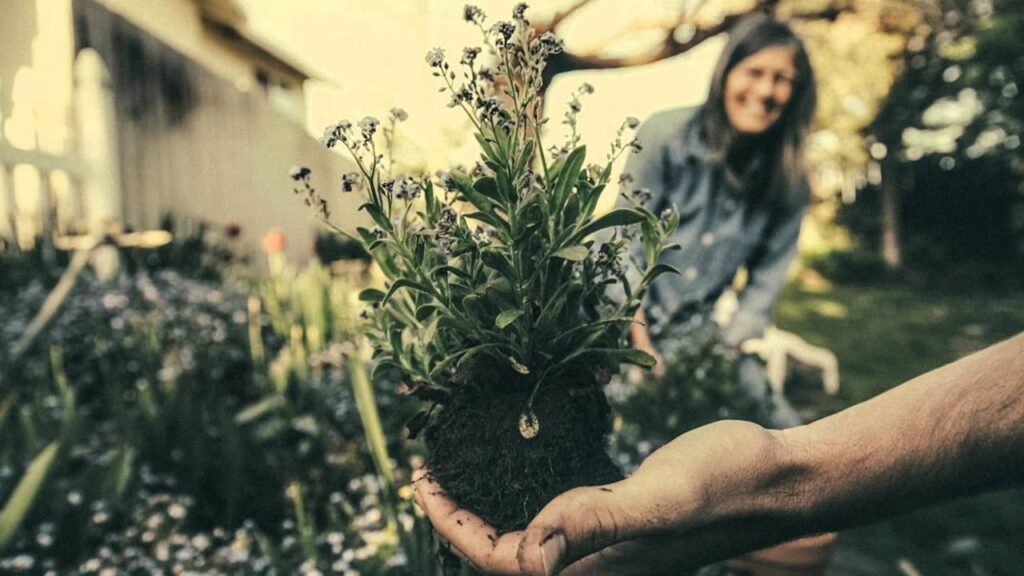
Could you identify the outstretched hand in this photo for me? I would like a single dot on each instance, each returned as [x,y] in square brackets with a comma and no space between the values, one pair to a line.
[652,522]
[732,487]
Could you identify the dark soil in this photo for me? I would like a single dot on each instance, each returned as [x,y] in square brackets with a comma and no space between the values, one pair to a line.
[476,451]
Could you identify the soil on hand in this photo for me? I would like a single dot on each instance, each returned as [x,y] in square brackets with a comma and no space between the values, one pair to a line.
[478,453]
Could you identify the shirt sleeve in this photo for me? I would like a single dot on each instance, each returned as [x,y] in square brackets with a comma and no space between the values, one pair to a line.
[767,275]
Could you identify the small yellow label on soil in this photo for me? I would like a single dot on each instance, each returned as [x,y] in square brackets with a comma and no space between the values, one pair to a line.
[529,426]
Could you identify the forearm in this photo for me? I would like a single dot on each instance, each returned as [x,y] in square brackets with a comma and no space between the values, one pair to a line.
[638,333]
[732,487]
[955,431]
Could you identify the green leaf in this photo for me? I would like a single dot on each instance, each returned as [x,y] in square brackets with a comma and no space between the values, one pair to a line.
[473,306]
[497,261]
[500,293]
[494,220]
[488,186]
[518,366]
[507,317]
[619,217]
[505,187]
[576,253]
[418,253]
[384,363]
[658,270]
[371,295]
[430,202]
[524,157]
[593,196]
[119,475]
[475,351]
[589,329]
[486,147]
[502,138]
[373,430]
[405,283]
[424,312]
[24,494]
[620,355]
[5,408]
[378,216]
[633,356]
[568,175]
[553,171]
[367,236]
[258,409]
[474,197]
[386,263]
[448,269]
[649,237]
[395,340]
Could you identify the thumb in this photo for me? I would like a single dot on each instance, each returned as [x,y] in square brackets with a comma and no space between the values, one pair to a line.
[574,525]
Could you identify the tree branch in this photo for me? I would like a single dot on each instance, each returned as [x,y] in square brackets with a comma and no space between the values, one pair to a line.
[561,15]
[670,45]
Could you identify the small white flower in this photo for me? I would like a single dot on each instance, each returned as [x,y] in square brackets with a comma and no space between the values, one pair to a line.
[435,57]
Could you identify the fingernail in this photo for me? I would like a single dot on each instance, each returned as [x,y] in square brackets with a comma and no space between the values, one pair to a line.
[551,552]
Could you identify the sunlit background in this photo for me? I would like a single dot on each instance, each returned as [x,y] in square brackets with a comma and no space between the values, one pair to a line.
[123,116]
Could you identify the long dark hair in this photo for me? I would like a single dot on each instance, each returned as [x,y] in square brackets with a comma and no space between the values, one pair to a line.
[778,153]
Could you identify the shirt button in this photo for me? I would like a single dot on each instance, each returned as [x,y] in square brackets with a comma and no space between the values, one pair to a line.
[707,239]
[690,273]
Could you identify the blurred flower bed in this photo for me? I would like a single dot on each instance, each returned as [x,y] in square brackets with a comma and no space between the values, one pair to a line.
[166,424]
[699,385]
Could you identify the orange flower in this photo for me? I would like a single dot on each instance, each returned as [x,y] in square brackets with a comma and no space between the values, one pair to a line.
[273,242]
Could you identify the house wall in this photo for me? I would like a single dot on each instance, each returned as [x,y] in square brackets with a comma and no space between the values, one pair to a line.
[193,145]
[178,23]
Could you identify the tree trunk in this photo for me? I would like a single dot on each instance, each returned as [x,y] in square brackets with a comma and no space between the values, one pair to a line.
[892,247]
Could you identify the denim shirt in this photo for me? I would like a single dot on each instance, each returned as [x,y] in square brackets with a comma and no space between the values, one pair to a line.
[719,231]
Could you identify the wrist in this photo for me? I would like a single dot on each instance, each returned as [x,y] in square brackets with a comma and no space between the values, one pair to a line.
[794,481]
[757,473]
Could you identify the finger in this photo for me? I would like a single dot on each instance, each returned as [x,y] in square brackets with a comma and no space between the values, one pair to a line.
[644,556]
[574,525]
[476,541]
[675,552]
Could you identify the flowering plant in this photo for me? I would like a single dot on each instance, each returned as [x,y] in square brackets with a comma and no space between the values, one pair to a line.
[499,265]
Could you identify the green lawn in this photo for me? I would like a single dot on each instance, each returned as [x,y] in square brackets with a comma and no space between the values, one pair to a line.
[884,335]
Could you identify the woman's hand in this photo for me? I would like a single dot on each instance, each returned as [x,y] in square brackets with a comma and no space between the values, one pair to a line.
[660,520]
[640,337]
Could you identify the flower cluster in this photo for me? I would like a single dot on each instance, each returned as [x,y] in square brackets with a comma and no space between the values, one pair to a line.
[641,195]
[570,119]
[300,175]
[504,258]
[443,230]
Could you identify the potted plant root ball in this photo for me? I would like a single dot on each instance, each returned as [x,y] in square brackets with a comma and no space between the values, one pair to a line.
[507,300]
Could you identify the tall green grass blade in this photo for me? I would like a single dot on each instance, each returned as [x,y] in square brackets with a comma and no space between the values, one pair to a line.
[366,404]
[119,475]
[25,493]
[5,408]
[303,521]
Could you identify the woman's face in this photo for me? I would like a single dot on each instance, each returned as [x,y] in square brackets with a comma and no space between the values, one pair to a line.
[758,89]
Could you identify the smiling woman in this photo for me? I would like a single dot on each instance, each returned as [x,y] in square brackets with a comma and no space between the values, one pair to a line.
[758,89]
[732,169]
